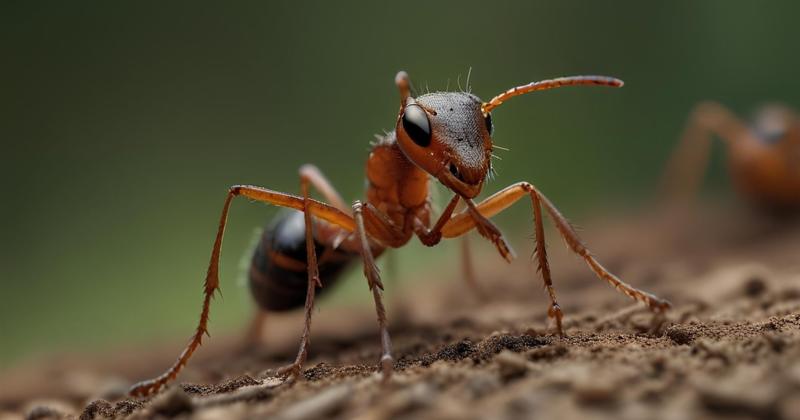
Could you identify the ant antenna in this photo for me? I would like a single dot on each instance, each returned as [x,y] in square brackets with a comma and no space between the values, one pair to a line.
[403,85]
[498,100]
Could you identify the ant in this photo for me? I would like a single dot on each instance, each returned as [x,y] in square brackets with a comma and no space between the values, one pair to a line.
[446,136]
[763,156]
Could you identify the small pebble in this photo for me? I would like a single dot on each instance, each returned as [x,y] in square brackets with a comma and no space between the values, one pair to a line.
[47,409]
[754,286]
[679,334]
[43,412]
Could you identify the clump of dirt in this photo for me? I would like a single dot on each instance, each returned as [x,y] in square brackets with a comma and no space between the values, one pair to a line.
[105,409]
[729,347]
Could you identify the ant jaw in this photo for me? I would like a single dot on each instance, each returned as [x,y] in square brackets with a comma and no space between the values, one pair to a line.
[465,190]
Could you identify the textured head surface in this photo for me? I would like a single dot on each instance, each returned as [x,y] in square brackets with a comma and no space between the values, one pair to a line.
[459,146]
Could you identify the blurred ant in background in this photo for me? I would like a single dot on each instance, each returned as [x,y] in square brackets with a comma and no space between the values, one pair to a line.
[763,156]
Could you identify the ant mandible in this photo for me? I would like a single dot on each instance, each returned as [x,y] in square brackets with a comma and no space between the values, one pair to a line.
[763,156]
[442,135]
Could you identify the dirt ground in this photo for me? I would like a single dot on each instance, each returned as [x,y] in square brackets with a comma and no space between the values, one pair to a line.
[730,347]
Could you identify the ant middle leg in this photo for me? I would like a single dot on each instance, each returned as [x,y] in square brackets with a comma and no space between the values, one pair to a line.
[375,285]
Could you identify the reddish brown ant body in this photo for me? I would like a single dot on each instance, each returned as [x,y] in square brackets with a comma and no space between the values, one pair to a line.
[445,136]
[763,156]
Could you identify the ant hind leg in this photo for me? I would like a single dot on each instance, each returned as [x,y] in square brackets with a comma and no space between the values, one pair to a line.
[309,206]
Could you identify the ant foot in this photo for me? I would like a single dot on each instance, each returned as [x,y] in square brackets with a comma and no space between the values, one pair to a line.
[387,367]
[556,314]
[290,373]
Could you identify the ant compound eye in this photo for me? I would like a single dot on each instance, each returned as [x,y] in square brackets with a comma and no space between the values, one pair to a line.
[489,125]
[416,124]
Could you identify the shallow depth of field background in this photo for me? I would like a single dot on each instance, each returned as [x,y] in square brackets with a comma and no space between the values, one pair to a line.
[122,125]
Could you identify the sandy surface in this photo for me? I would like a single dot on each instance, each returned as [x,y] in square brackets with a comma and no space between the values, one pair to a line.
[730,348]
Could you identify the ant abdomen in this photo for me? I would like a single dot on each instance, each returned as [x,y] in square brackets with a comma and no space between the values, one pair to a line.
[278,276]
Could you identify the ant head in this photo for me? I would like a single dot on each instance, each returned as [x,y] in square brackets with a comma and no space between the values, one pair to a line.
[449,134]
[777,124]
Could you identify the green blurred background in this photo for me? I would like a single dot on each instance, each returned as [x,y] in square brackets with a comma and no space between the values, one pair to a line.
[123,125]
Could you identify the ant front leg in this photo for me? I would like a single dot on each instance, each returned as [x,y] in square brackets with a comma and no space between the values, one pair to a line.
[685,169]
[309,206]
[501,200]
[431,237]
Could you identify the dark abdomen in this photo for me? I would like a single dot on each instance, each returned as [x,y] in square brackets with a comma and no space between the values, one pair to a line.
[278,276]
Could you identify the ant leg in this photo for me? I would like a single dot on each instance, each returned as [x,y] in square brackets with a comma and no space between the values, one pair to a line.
[468,271]
[501,200]
[540,251]
[490,231]
[544,266]
[432,236]
[254,331]
[312,207]
[310,173]
[293,371]
[376,287]
[685,169]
